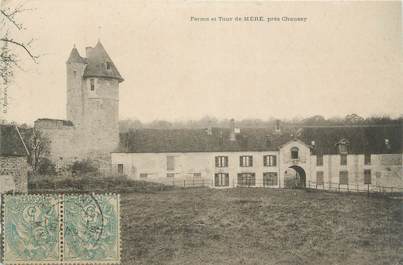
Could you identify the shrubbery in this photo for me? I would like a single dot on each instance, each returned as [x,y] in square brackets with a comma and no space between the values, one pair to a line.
[46,167]
[84,167]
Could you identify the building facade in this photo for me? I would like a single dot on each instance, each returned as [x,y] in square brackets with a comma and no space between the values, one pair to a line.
[270,159]
[92,125]
[13,160]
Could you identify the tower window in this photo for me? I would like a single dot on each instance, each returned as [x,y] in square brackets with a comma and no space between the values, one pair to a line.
[92,84]
[75,73]
[108,66]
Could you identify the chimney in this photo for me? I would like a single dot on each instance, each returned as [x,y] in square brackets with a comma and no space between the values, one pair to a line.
[88,51]
[232,128]
[277,128]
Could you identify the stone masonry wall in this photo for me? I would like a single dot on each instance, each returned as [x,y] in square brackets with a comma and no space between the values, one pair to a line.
[13,173]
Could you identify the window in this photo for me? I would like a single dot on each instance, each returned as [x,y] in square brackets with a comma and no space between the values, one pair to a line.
[342,148]
[343,177]
[343,159]
[319,178]
[270,179]
[387,144]
[221,161]
[143,175]
[108,66]
[270,161]
[197,175]
[246,161]
[221,179]
[294,153]
[120,169]
[92,84]
[246,179]
[367,176]
[319,160]
[367,159]
[170,163]
[75,73]
[170,175]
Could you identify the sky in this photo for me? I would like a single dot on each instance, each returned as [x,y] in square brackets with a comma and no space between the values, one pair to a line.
[346,58]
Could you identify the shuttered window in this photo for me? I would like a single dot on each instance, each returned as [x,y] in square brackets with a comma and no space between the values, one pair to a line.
[246,161]
[270,161]
[221,161]
[246,179]
[270,179]
[221,179]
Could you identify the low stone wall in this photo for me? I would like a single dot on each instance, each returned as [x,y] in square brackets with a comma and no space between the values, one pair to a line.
[13,174]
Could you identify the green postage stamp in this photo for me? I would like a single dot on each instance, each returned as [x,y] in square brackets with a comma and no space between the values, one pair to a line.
[61,229]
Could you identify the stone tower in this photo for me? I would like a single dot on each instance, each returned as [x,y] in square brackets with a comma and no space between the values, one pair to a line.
[93,99]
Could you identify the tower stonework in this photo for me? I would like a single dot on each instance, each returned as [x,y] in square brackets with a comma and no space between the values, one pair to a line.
[92,126]
[93,98]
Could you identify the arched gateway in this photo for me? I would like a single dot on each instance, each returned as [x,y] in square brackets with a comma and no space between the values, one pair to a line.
[295,177]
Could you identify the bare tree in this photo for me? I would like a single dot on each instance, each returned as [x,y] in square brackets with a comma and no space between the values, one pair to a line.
[9,45]
[39,149]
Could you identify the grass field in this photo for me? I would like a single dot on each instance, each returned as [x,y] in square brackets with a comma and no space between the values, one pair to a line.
[260,226]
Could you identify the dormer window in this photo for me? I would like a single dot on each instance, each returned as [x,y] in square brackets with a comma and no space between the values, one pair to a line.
[108,66]
[342,146]
[387,143]
[294,153]
[92,84]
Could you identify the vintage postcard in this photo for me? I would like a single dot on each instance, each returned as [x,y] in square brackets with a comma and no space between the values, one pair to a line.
[201,132]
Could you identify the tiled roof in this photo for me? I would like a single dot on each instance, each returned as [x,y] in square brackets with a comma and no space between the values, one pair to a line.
[10,142]
[97,62]
[362,139]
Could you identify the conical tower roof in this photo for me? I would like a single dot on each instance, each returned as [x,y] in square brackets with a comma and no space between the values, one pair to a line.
[100,64]
[75,57]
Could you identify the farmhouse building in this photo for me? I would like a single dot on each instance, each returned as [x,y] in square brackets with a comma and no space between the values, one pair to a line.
[342,156]
[91,129]
[13,160]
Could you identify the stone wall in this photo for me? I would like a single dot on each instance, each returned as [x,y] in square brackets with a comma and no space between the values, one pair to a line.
[101,115]
[13,174]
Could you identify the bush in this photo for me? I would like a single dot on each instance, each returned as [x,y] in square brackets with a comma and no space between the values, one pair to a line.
[85,166]
[46,167]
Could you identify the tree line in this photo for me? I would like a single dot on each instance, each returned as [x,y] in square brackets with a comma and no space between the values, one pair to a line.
[206,122]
